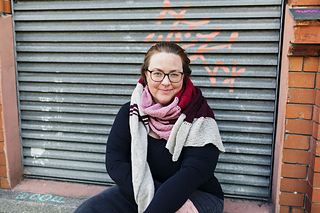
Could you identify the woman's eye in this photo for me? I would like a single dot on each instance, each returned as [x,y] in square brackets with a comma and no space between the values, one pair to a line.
[157,73]
[174,74]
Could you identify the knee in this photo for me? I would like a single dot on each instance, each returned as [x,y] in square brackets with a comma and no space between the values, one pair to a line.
[84,207]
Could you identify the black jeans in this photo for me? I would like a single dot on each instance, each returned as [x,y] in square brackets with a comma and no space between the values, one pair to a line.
[111,200]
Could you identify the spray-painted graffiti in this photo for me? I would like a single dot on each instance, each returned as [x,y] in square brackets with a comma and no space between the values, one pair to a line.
[181,28]
[40,197]
[307,11]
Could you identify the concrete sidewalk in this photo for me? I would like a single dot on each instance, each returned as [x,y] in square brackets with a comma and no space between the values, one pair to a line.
[25,202]
[39,196]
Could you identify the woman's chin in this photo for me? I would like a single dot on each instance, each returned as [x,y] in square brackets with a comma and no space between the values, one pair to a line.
[165,102]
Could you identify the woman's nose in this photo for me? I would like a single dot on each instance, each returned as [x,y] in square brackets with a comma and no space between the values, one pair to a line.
[166,80]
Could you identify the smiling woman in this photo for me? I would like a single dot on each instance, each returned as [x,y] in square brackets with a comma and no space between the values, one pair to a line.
[164,63]
[164,146]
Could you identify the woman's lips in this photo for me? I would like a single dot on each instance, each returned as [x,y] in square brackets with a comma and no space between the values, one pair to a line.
[165,90]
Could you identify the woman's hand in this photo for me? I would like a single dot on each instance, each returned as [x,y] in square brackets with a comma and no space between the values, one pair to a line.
[188,207]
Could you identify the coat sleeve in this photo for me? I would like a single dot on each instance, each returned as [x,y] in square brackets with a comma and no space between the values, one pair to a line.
[197,167]
[118,163]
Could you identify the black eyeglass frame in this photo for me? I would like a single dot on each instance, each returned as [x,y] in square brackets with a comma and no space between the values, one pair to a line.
[165,74]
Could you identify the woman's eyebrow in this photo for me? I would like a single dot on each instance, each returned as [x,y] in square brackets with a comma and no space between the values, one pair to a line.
[174,70]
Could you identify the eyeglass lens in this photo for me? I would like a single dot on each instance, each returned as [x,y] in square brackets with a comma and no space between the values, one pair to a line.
[159,76]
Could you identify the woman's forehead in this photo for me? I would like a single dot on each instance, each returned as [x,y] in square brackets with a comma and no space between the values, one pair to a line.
[165,60]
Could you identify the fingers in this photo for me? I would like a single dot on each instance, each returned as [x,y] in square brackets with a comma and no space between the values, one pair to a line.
[188,207]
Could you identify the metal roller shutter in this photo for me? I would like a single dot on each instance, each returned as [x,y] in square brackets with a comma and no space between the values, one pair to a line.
[78,62]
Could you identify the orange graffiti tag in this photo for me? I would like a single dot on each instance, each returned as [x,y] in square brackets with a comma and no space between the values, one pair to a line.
[192,24]
[234,73]
[226,70]
[177,34]
[173,13]
[215,70]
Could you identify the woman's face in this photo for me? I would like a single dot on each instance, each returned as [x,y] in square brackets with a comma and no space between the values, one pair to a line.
[163,92]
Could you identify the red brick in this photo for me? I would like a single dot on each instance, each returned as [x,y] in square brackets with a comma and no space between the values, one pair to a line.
[1,135]
[318,80]
[2,160]
[1,147]
[291,199]
[307,32]
[302,80]
[1,123]
[294,171]
[312,207]
[313,194]
[316,131]
[302,96]
[314,178]
[316,114]
[284,209]
[296,142]
[303,127]
[315,146]
[315,163]
[299,111]
[293,185]
[4,183]
[3,171]
[303,2]
[6,6]
[296,156]
[317,98]
[311,64]
[295,63]
[296,210]
[311,177]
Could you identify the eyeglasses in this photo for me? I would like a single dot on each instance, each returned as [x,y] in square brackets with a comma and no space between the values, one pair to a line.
[158,76]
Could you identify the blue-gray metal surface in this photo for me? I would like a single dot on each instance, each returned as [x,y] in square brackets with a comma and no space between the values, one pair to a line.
[78,62]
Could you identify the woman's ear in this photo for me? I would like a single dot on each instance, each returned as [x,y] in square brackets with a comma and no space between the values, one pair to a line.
[145,77]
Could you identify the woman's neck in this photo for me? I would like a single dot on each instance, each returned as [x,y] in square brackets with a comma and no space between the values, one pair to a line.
[153,134]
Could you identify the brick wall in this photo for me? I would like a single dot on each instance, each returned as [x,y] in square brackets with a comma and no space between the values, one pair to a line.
[313,190]
[299,150]
[300,162]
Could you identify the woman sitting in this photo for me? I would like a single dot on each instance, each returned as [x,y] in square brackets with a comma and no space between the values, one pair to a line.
[164,145]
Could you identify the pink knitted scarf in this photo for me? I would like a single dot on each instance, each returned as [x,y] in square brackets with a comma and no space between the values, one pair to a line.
[162,118]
